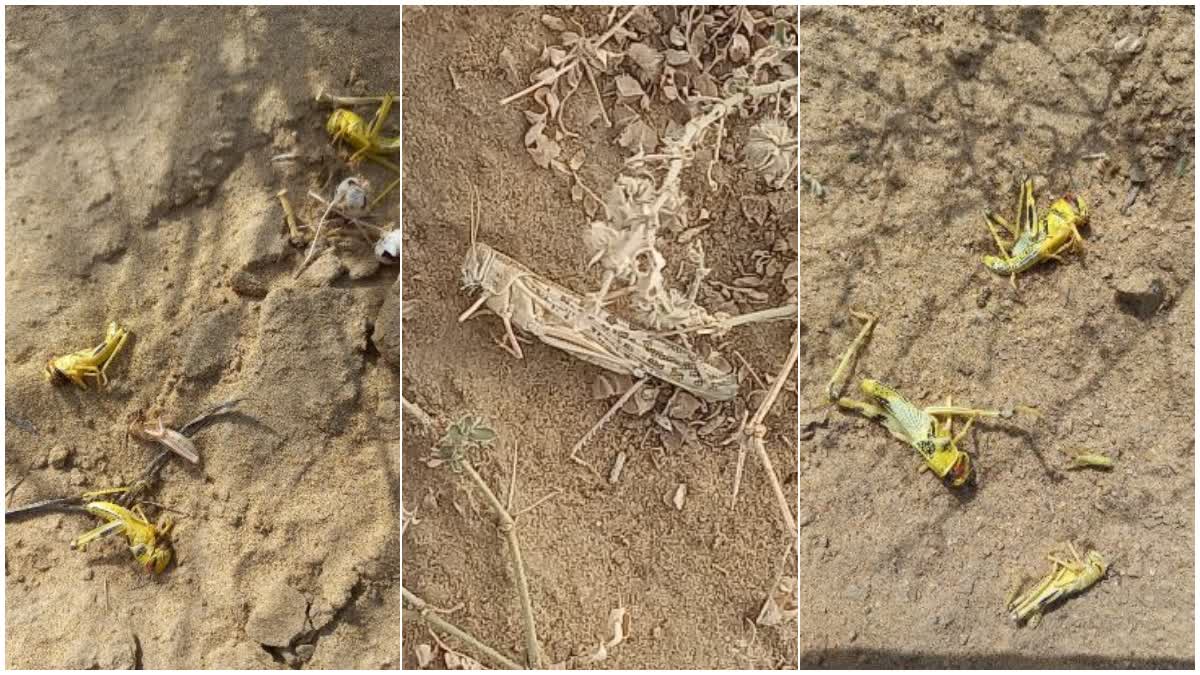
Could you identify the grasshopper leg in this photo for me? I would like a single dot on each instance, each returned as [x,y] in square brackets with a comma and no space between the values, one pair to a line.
[992,220]
[88,537]
[116,350]
[515,349]
[391,186]
[839,373]
[959,411]
[474,308]
[380,115]
[867,409]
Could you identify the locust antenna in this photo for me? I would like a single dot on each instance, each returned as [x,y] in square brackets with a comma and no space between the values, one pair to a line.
[476,213]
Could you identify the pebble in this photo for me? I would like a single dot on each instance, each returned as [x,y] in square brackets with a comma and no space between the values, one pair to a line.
[60,456]
[1140,293]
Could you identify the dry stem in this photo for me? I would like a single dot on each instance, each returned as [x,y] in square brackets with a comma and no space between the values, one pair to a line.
[755,431]
[435,621]
[697,125]
[508,527]
[607,416]
[347,100]
[415,411]
[571,62]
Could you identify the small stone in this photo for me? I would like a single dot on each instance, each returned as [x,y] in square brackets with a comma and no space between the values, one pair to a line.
[1140,293]
[323,271]
[248,284]
[305,651]
[1128,46]
[361,267]
[278,617]
[60,457]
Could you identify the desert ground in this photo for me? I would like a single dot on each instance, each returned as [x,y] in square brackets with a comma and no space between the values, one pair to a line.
[915,120]
[691,576]
[145,148]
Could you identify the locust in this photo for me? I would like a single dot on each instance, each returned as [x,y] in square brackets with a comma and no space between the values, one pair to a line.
[930,430]
[525,300]
[1066,578]
[367,139]
[1034,239]
[149,543]
[92,362]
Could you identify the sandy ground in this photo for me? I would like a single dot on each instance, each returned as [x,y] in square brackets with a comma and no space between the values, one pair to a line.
[915,120]
[692,580]
[140,188]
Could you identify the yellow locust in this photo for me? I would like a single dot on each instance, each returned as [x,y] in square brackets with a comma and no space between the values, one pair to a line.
[1034,239]
[933,438]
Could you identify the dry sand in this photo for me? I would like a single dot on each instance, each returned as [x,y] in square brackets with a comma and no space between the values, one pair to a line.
[692,580]
[140,189]
[916,120]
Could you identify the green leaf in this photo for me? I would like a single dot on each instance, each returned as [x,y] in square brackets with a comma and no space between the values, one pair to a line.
[483,435]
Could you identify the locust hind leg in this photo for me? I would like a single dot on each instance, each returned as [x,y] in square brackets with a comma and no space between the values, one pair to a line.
[116,350]
[869,410]
[474,308]
[380,115]
[391,186]
[511,345]
[994,219]
[959,411]
[839,374]
[81,542]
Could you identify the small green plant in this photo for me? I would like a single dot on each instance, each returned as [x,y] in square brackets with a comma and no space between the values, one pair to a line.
[468,433]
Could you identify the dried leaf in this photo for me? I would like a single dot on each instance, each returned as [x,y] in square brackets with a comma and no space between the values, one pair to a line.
[780,604]
[642,402]
[576,192]
[424,655]
[599,655]
[739,48]
[554,23]
[672,441]
[461,662]
[706,85]
[544,150]
[534,117]
[554,55]
[789,278]
[628,87]
[577,160]
[534,132]
[699,38]
[569,38]
[607,385]
[560,166]
[770,150]
[543,75]
[510,66]
[647,59]
[638,136]
[680,496]
[618,627]
[676,37]
[683,406]
[678,57]
[547,98]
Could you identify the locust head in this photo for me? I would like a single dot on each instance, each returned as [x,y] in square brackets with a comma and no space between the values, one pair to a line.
[1075,208]
[342,122]
[475,265]
[960,472]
